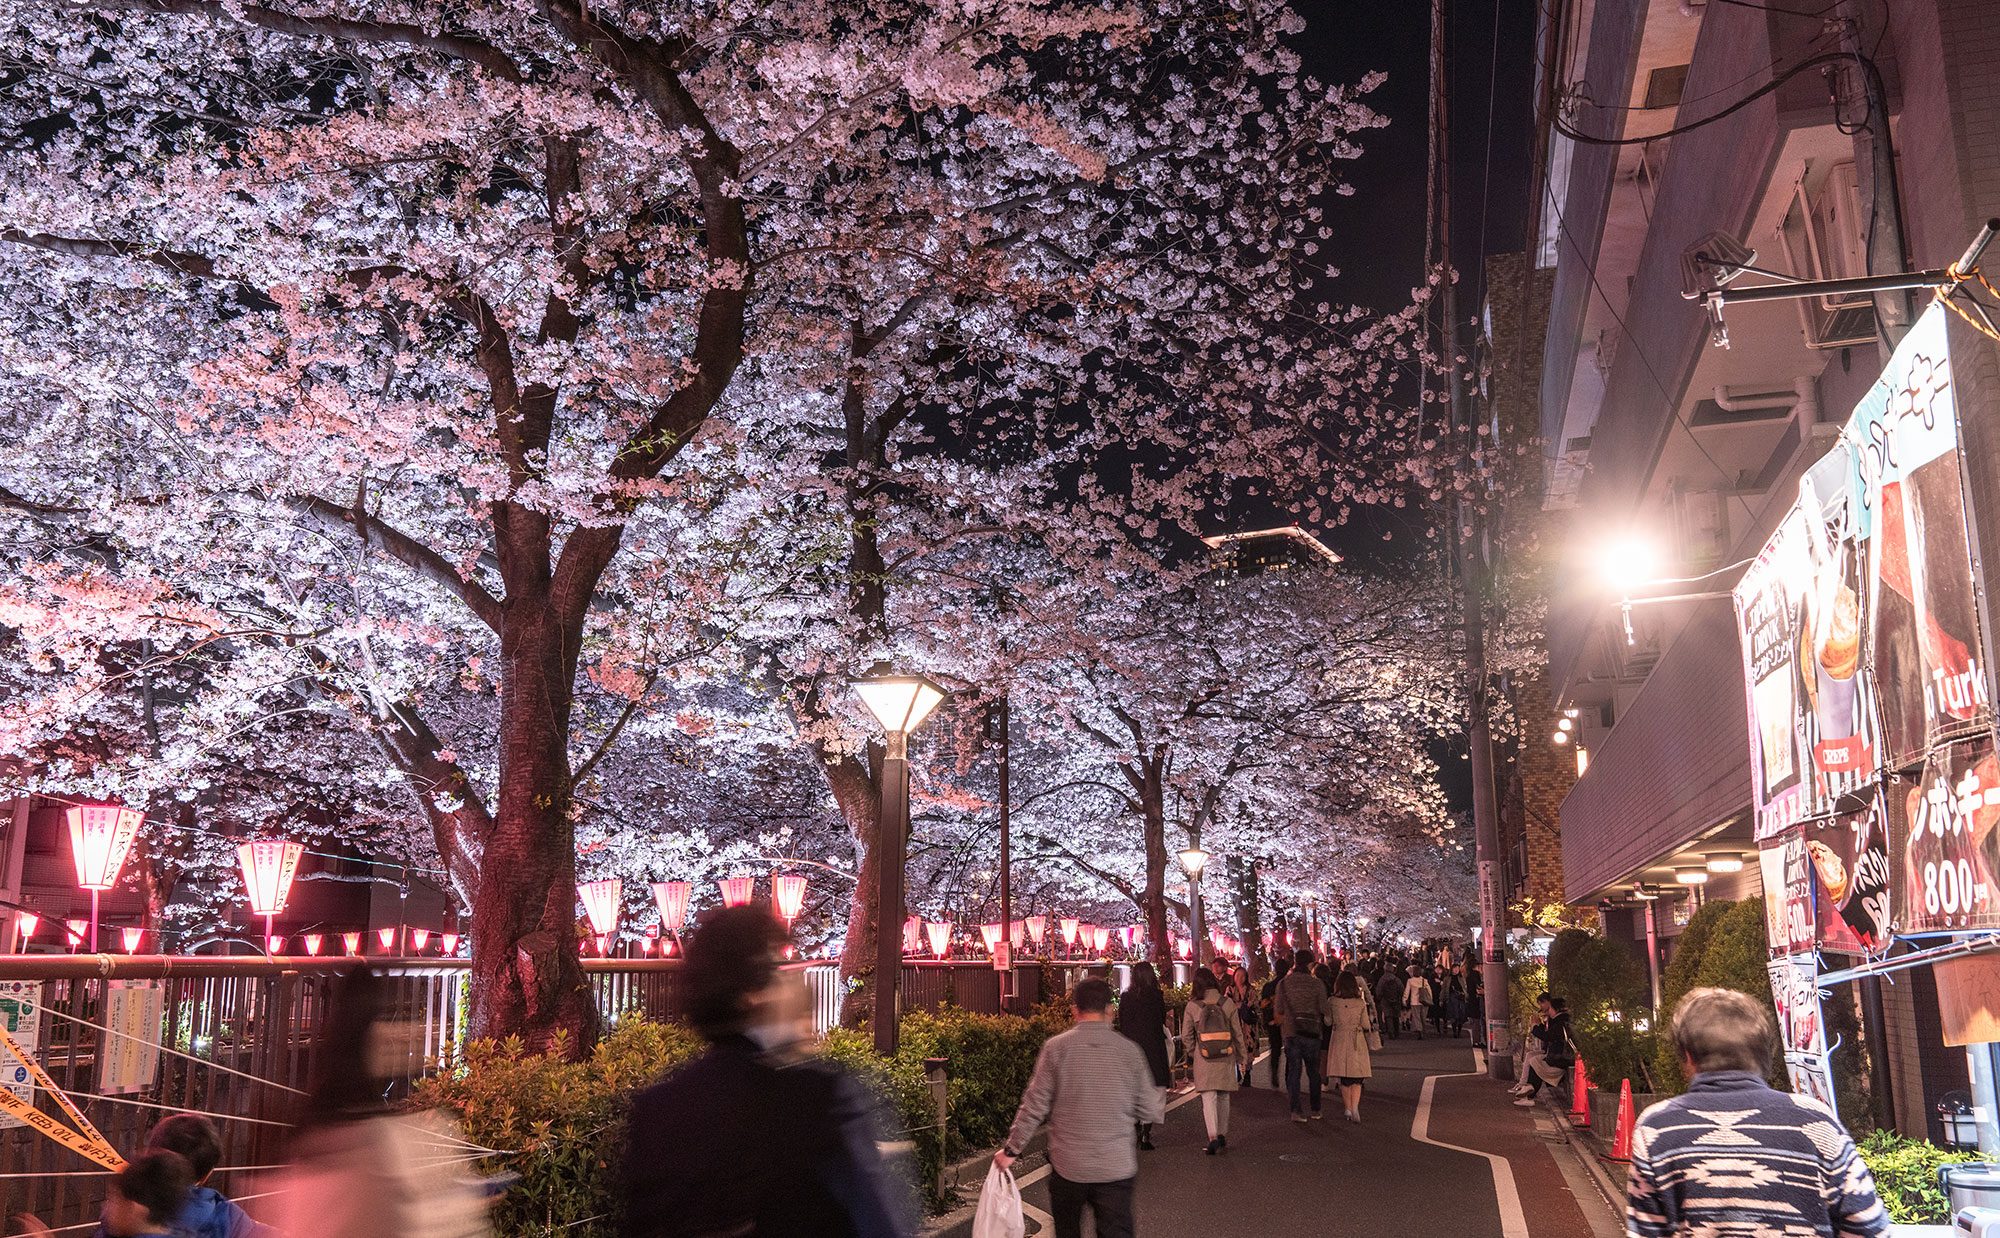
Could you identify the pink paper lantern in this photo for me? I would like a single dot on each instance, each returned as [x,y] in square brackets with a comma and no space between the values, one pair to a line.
[387,936]
[1100,937]
[604,945]
[274,945]
[1038,927]
[132,936]
[788,890]
[450,943]
[736,891]
[28,922]
[939,932]
[913,931]
[672,898]
[419,938]
[100,837]
[1069,926]
[268,865]
[313,942]
[1016,934]
[601,903]
[78,932]
[990,934]
[352,941]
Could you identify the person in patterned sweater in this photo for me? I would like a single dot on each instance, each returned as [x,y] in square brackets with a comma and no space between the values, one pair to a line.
[1734,1156]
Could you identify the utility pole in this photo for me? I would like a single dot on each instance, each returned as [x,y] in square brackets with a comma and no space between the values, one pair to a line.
[1468,529]
[1006,866]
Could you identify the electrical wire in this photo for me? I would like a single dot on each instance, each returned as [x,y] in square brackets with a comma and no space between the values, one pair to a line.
[1810,62]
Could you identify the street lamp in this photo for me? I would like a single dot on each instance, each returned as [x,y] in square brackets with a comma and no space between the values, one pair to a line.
[100,835]
[900,704]
[1193,860]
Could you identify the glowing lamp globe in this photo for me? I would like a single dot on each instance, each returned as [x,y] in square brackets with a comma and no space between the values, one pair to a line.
[1038,927]
[450,943]
[313,942]
[939,932]
[28,922]
[132,938]
[990,934]
[1193,860]
[387,937]
[1069,926]
[274,945]
[900,703]
[672,898]
[1100,936]
[419,938]
[788,890]
[736,891]
[352,942]
[600,903]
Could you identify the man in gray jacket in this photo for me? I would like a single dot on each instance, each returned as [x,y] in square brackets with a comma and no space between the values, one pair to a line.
[1092,1088]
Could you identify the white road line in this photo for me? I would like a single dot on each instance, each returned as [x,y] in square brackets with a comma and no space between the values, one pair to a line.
[1513,1222]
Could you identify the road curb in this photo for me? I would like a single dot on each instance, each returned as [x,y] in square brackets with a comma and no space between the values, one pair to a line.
[1584,1147]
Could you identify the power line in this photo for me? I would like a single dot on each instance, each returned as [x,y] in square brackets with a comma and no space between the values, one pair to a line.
[1574,135]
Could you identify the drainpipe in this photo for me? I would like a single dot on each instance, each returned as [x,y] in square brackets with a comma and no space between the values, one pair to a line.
[1653,953]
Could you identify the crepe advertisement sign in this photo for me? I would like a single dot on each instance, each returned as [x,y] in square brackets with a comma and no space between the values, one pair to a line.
[1910,515]
[1838,722]
[1795,995]
[1848,858]
[1950,852]
[1788,894]
[1767,621]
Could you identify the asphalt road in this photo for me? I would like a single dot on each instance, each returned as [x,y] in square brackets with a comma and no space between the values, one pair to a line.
[1333,1177]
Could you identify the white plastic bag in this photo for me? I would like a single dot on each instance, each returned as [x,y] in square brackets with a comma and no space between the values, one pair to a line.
[999,1214]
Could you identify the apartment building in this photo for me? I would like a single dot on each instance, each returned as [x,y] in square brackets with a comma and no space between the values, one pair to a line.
[1654,436]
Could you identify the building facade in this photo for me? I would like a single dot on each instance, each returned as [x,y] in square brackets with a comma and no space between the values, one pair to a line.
[1757,123]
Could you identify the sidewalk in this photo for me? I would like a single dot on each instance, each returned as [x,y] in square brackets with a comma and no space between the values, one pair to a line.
[1421,1163]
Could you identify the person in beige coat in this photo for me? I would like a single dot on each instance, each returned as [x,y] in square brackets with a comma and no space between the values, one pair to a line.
[1347,1043]
[1215,1042]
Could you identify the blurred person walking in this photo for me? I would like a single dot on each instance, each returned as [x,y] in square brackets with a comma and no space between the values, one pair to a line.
[757,1137]
[1416,1000]
[1389,1001]
[1142,1019]
[1267,1013]
[359,1168]
[1216,1047]
[1091,1086]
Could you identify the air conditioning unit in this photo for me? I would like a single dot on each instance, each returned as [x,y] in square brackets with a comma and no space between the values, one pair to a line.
[1701,525]
[1824,238]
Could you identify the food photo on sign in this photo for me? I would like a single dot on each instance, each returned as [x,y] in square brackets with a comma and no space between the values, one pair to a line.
[1848,857]
[1922,616]
[1787,874]
[1947,821]
[1767,619]
[1838,716]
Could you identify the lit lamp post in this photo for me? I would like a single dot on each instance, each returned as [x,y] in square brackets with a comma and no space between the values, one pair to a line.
[600,902]
[100,836]
[1193,860]
[900,704]
[268,865]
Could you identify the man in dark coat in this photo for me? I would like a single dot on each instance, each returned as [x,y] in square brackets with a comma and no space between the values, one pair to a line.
[1142,1019]
[755,1137]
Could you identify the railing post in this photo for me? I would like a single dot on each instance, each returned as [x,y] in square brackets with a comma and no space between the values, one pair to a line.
[937,1073]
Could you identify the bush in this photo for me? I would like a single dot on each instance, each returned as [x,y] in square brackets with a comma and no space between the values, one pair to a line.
[1607,992]
[560,1116]
[1689,950]
[1906,1176]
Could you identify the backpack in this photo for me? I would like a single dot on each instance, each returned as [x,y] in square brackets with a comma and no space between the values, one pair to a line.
[1307,1022]
[1215,1040]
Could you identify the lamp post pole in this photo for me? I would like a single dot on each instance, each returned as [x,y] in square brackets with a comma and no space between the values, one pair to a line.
[1006,871]
[892,837]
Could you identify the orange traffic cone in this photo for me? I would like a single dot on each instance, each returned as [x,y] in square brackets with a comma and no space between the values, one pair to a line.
[1579,1100]
[1621,1145]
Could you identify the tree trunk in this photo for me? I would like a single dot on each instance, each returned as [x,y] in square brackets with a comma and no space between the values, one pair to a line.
[1153,822]
[857,794]
[526,974]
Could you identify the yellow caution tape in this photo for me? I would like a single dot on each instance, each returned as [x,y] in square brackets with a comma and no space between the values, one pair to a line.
[86,1139]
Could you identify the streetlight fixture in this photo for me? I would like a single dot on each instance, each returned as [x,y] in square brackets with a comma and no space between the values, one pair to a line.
[100,836]
[900,704]
[1193,860]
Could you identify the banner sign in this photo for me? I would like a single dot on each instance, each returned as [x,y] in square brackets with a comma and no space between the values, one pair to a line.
[1848,856]
[1788,894]
[1923,629]
[1801,1028]
[20,1018]
[1950,852]
[1767,619]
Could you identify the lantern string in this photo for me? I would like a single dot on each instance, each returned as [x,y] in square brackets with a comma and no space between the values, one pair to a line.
[207,1113]
[227,1070]
[195,829]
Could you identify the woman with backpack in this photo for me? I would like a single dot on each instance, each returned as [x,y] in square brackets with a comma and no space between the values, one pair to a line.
[1347,1060]
[1214,1039]
[1142,1018]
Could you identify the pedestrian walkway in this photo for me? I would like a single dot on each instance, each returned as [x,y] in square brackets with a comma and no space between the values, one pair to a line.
[1377,1178]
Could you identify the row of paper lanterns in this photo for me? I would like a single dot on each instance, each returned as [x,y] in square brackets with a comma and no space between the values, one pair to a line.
[603,900]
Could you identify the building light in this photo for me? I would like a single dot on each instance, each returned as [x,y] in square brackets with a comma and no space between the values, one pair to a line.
[1566,724]
[1560,737]
[1582,760]
[1723,861]
[1691,876]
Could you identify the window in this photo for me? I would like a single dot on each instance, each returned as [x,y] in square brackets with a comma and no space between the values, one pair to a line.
[1664,86]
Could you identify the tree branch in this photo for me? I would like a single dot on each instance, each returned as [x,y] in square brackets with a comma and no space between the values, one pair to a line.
[406,550]
[461,47]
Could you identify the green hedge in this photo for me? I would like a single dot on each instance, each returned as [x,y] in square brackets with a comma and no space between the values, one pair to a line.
[1906,1176]
[559,1120]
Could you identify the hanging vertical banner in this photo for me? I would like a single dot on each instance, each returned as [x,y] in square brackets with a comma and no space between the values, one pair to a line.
[1768,608]
[1848,856]
[21,1018]
[1923,622]
[1788,894]
[1795,995]
[1948,820]
[1839,725]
